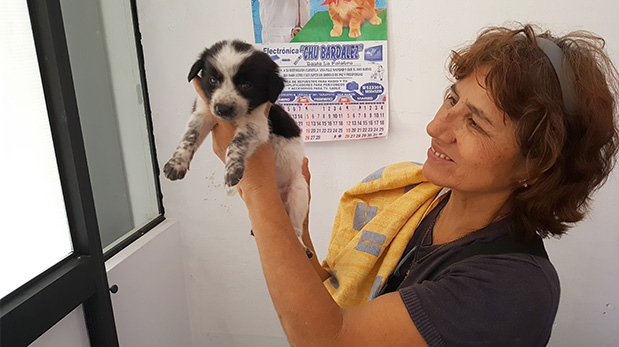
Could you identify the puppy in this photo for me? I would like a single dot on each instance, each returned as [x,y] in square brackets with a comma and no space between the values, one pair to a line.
[351,14]
[240,83]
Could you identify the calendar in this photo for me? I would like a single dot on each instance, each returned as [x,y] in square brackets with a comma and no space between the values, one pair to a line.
[339,121]
[334,91]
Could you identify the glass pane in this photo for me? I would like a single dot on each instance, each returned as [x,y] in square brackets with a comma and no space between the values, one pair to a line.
[35,233]
[106,74]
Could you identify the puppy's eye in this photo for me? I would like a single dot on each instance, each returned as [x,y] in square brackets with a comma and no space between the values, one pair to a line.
[213,81]
[245,85]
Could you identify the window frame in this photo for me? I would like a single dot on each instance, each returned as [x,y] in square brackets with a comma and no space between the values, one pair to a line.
[136,234]
[81,278]
[139,232]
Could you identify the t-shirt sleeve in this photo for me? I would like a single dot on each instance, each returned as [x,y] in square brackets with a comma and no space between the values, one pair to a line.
[489,300]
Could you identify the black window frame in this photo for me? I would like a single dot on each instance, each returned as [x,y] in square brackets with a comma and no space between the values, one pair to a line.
[81,278]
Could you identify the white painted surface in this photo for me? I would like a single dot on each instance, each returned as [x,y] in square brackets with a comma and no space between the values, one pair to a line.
[150,307]
[68,332]
[228,301]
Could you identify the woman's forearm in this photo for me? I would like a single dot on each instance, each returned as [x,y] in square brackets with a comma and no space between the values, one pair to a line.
[308,313]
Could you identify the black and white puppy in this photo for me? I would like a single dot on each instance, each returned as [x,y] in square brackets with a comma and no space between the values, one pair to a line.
[240,83]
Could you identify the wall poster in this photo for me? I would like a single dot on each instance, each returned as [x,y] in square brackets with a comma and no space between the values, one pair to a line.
[333,55]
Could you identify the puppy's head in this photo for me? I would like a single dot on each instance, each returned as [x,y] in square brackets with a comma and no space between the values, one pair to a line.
[237,78]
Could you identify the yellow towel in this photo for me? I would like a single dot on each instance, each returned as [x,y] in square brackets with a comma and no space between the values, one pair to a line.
[373,225]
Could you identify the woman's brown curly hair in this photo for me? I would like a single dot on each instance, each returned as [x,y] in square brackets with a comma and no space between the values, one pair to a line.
[568,156]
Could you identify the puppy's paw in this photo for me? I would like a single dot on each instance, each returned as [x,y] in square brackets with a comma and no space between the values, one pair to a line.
[376,20]
[354,33]
[175,169]
[234,173]
[231,191]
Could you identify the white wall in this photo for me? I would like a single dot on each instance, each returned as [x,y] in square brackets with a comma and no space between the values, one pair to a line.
[229,303]
[150,306]
[68,332]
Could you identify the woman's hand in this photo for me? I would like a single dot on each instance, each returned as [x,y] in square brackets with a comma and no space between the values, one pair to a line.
[260,173]
[308,176]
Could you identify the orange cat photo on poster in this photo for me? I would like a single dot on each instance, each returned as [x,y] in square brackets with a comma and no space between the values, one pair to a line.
[352,14]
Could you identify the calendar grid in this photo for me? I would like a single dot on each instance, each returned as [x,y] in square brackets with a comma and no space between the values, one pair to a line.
[344,121]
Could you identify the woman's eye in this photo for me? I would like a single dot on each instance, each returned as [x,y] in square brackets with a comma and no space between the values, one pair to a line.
[213,81]
[451,100]
[473,124]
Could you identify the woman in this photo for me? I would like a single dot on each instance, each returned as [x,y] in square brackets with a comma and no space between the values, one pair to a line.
[525,135]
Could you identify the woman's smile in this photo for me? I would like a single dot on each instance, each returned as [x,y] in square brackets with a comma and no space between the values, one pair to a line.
[438,154]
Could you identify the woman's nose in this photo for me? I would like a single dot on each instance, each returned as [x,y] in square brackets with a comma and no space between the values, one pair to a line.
[442,126]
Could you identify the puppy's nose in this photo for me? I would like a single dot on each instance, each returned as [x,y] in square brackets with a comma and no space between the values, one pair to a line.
[223,110]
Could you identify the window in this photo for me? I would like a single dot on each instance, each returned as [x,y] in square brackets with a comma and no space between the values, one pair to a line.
[86,188]
[111,103]
[33,210]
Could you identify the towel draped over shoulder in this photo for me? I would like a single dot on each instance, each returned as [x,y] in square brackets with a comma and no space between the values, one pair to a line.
[373,225]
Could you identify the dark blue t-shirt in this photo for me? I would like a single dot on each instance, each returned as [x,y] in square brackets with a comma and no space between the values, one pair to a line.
[483,300]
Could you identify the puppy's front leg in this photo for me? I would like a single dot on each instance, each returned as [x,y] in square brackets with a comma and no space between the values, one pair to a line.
[252,131]
[198,127]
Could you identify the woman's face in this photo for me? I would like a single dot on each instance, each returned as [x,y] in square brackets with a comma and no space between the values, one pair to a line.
[473,147]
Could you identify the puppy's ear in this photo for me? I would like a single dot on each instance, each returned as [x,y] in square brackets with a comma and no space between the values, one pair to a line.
[276,85]
[195,69]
